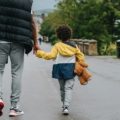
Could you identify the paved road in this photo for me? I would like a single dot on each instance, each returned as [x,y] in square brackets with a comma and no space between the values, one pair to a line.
[99,100]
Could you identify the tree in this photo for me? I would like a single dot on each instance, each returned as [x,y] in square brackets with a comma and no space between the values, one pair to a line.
[90,19]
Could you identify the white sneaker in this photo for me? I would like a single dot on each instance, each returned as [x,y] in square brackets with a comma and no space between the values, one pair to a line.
[65,111]
[15,112]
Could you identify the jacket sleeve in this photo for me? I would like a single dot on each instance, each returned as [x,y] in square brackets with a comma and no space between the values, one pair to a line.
[47,55]
[79,55]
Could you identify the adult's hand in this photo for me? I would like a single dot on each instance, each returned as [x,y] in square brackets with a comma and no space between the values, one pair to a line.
[35,48]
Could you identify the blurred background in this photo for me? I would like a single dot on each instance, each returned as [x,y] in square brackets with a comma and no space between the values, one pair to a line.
[91,20]
[43,4]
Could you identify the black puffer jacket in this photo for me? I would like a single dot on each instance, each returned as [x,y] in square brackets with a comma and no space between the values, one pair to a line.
[15,22]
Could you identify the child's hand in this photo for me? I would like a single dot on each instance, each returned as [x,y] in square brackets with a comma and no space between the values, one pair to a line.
[83,64]
[38,53]
[35,48]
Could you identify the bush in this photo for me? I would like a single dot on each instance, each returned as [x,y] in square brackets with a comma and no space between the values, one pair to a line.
[53,39]
[111,49]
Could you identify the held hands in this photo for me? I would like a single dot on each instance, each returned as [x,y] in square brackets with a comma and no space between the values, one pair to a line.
[35,48]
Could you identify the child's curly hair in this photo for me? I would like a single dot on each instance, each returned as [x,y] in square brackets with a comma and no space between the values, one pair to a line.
[64,32]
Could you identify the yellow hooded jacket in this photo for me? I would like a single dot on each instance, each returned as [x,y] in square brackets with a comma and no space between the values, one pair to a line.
[65,55]
[62,49]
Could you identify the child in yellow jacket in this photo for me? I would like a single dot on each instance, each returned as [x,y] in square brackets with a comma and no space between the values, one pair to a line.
[65,52]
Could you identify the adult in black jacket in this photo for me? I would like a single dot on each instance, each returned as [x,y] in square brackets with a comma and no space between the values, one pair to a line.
[17,36]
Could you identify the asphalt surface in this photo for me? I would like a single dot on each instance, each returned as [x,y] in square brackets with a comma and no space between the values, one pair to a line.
[40,100]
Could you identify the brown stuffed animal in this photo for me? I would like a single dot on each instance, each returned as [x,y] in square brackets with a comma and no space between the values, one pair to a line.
[82,73]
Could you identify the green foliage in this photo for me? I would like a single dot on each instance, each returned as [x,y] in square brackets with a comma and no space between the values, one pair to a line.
[53,39]
[109,50]
[112,49]
[90,19]
[51,22]
[46,30]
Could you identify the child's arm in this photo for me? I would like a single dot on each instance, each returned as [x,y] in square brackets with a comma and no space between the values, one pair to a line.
[79,55]
[47,55]
[80,58]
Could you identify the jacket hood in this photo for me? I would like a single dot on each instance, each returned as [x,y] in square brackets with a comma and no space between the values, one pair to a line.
[65,49]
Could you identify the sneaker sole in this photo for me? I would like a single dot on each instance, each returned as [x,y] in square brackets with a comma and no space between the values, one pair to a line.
[65,113]
[14,115]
